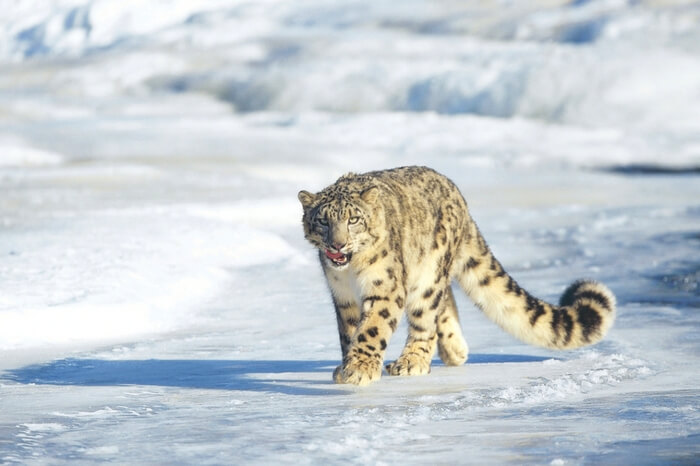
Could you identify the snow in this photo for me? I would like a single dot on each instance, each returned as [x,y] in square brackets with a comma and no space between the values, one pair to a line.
[158,300]
[17,153]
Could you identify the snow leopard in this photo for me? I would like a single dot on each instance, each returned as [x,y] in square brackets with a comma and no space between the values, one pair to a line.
[391,242]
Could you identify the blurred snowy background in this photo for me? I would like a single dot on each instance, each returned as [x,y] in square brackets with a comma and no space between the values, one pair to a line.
[157,299]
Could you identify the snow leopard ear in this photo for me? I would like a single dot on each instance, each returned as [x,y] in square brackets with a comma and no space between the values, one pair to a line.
[370,195]
[306,198]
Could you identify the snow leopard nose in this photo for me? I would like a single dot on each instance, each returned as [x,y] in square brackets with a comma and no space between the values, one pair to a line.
[338,246]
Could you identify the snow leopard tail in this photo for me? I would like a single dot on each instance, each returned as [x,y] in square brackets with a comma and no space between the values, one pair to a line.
[585,313]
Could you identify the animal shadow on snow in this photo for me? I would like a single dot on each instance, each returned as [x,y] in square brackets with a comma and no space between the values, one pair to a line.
[263,376]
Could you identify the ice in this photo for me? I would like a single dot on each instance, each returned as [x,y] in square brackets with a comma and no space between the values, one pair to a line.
[158,299]
[51,427]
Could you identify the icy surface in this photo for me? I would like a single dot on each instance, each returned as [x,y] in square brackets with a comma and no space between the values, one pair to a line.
[158,302]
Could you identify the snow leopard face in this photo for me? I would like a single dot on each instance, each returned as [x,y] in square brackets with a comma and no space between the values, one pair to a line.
[340,222]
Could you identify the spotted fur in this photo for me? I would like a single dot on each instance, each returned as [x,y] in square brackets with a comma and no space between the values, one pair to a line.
[391,242]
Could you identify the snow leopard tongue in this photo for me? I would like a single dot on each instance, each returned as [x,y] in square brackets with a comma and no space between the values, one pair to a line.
[336,256]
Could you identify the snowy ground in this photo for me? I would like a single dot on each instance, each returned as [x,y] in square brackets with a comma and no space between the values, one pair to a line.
[158,303]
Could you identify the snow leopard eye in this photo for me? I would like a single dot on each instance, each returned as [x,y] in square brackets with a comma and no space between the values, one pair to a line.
[323,221]
[353,220]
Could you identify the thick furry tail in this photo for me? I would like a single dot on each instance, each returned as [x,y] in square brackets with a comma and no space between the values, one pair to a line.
[585,313]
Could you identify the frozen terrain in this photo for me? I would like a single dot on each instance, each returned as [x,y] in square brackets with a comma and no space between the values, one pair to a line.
[159,305]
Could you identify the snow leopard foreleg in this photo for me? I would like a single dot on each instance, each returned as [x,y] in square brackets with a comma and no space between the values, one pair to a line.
[423,313]
[348,315]
[382,304]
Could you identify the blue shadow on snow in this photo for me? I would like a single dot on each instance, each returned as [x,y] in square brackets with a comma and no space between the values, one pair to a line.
[214,374]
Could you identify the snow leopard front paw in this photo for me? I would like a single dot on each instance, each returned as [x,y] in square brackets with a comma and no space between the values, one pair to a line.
[409,364]
[358,371]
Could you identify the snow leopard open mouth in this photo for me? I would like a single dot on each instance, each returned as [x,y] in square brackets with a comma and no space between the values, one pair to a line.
[338,258]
